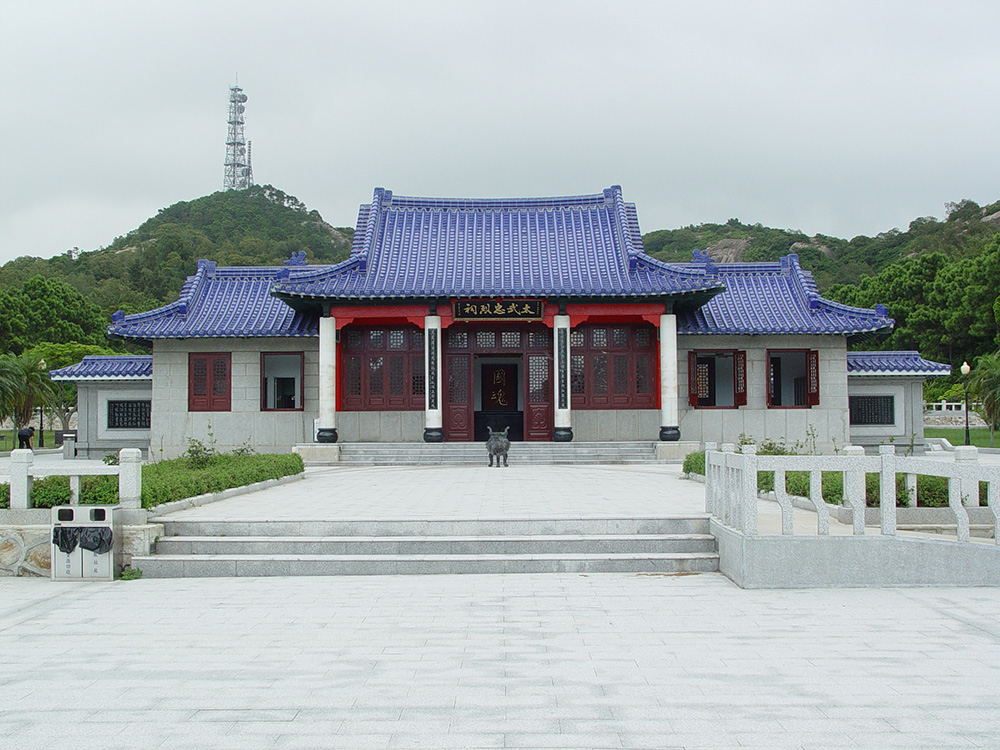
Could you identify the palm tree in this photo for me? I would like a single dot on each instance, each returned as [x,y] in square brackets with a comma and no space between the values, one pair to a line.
[24,386]
[984,384]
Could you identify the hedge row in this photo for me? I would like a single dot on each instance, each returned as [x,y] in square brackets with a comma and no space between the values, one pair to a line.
[166,481]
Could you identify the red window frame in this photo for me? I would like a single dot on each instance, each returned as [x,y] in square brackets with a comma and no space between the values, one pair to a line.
[739,377]
[615,358]
[812,378]
[370,366]
[210,381]
[299,396]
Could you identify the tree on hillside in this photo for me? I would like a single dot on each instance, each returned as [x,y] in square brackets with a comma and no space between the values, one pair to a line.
[46,309]
[63,402]
[24,386]
[984,385]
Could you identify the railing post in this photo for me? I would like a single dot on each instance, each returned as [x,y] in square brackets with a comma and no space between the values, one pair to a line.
[854,490]
[911,489]
[887,489]
[20,478]
[130,478]
[69,447]
[748,491]
[967,457]
[711,481]
[729,486]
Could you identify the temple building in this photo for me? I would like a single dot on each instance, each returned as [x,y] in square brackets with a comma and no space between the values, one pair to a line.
[539,315]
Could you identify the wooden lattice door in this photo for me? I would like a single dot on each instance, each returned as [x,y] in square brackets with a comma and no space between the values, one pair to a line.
[458,397]
[538,397]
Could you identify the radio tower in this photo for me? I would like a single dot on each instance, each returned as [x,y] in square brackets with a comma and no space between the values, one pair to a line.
[239,173]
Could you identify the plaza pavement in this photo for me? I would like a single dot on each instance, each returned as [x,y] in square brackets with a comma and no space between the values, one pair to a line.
[516,661]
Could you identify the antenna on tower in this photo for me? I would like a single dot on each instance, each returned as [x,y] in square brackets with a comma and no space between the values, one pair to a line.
[238,172]
[249,169]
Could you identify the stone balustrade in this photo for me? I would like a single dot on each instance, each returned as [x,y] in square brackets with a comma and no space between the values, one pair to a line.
[731,493]
[128,470]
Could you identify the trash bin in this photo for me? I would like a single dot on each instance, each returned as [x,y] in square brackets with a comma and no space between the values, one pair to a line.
[86,543]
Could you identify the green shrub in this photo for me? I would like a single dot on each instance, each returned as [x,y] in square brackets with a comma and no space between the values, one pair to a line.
[694,463]
[167,481]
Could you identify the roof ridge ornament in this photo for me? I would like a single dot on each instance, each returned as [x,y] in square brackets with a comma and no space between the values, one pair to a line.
[702,257]
[298,258]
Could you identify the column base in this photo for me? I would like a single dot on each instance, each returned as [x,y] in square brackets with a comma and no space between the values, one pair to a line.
[433,435]
[670,434]
[562,435]
[326,435]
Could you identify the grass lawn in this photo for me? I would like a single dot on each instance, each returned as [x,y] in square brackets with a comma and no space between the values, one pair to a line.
[8,440]
[979,436]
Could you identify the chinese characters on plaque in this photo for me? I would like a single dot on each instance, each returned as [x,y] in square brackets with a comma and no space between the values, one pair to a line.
[514,309]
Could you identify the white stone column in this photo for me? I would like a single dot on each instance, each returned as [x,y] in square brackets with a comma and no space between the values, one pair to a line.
[20,478]
[326,427]
[669,412]
[563,432]
[433,413]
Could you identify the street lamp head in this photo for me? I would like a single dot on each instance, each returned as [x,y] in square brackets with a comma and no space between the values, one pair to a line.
[965,368]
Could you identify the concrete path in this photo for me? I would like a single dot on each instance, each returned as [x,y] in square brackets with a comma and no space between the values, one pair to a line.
[516,661]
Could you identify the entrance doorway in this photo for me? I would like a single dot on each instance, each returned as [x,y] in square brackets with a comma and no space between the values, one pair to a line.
[498,399]
[477,362]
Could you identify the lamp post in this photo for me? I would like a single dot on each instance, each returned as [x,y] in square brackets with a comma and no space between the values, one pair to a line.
[41,415]
[965,384]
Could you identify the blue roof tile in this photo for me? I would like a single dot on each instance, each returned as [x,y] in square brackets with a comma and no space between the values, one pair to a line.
[234,301]
[894,363]
[107,367]
[582,246]
[779,297]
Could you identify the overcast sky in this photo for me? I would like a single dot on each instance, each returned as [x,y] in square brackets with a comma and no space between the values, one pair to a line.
[840,118]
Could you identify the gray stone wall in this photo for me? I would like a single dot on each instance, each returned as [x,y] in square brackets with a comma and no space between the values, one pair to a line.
[266,431]
[380,426]
[95,438]
[610,425]
[907,432]
[826,424]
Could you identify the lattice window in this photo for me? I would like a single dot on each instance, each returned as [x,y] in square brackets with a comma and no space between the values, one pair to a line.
[540,339]
[209,382]
[578,373]
[643,374]
[352,376]
[458,339]
[486,339]
[538,379]
[643,338]
[620,376]
[600,374]
[458,380]
[382,369]
[599,338]
[577,338]
[717,379]
[619,338]
[396,375]
[375,375]
[510,339]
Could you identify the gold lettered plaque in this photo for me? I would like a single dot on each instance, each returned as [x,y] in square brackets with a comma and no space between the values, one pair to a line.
[498,309]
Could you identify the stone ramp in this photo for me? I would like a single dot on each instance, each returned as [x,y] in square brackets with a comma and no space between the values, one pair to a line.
[221,547]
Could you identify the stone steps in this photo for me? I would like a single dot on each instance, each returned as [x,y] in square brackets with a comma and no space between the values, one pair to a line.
[225,547]
[521,453]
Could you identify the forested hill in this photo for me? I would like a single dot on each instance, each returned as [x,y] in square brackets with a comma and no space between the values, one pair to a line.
[940,278]
[146,267]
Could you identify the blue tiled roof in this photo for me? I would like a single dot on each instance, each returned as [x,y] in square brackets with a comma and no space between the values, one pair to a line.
[232,302]
[779,297]
[107,367]
[894,363]
[578,246]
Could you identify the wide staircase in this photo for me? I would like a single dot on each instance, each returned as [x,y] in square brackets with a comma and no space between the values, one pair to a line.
[235,547]
[521,453]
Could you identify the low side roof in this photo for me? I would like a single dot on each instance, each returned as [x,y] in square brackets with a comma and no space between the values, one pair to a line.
[575,246]
[219,302]
[779,297]
[107,367]
[894,363]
